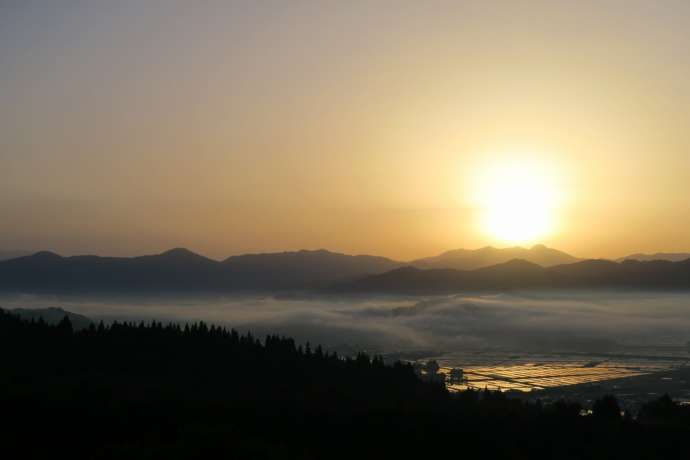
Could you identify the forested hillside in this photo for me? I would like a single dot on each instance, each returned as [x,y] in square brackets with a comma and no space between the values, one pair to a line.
[194,391]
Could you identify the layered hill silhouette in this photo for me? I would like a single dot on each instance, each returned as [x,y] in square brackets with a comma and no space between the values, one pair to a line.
[7,255]
[180,270]
[521,274]
[670,256]
[468,259]
[302,269]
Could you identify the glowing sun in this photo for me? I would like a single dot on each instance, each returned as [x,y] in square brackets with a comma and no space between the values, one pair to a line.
[518,202]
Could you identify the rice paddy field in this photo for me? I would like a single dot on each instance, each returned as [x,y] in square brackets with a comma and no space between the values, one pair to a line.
[538,371]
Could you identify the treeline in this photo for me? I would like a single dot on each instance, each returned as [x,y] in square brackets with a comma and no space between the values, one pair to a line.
[130,390]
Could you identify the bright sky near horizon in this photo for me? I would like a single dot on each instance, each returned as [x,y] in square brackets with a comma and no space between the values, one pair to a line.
[398,128]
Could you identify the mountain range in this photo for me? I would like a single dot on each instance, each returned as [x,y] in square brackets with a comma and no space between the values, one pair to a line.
[467,259]
[180,270]
[521,274]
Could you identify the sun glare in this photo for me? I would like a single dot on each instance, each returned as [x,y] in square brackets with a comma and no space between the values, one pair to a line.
[518,202]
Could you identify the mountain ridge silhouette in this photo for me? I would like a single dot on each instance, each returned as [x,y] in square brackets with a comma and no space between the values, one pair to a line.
[669,256]
[13,254]
[468,259]
[521,274]
[181,270]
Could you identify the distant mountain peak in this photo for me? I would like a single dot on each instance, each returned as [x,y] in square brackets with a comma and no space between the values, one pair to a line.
[182,255]
[314,251]
[179,252]
[45,255]
[513,264]
[468,259]
[519,263]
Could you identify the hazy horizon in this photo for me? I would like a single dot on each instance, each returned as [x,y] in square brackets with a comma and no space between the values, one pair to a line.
[20,252]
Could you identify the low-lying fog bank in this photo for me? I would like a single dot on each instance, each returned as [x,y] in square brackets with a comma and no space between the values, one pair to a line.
[523,321]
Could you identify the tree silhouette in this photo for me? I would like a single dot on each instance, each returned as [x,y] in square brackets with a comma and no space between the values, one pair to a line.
[607,408]
[159,390]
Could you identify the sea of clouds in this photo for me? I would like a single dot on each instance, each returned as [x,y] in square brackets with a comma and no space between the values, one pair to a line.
[523,320]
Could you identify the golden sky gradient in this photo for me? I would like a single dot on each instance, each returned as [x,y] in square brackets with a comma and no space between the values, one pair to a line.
[363,127]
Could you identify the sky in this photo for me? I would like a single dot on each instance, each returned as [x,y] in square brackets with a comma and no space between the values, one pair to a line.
[381,127]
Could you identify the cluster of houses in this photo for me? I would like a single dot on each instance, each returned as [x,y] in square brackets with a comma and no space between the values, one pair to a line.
[430,372]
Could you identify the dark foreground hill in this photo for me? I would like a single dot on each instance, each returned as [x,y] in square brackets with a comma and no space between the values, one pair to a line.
[154,391]
[520,274]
